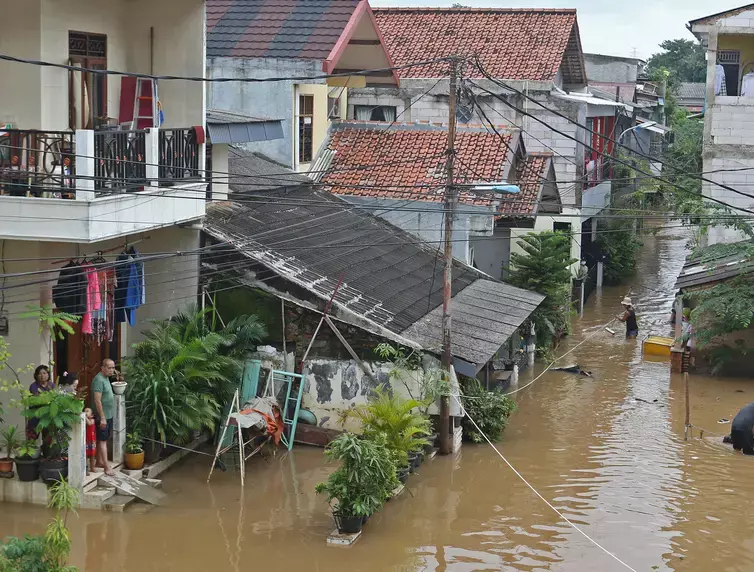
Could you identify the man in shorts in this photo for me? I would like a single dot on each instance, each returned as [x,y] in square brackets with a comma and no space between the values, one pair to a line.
[103,405]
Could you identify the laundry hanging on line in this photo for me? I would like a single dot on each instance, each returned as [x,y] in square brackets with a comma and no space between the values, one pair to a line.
[103,296]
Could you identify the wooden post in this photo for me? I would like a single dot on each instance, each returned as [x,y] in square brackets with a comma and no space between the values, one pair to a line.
[688,408]
[450,201]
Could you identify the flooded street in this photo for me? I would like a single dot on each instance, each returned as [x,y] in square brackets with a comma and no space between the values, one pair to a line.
[616,466]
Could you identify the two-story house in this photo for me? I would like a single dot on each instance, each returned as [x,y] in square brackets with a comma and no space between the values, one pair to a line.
[299,43]
[536,60]
[98,171]
[729,109]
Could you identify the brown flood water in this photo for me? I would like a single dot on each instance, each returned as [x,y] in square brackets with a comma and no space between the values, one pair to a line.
[617,467]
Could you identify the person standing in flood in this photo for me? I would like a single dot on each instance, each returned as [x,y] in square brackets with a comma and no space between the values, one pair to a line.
[742,431]
[629,317]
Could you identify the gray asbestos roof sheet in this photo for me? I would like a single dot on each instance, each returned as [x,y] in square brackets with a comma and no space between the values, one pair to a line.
[698,274]
[310,238]
[231,127]
[485,314]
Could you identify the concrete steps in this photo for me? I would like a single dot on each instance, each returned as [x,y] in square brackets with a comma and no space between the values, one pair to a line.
[105,497]
[118,503]
[96,498]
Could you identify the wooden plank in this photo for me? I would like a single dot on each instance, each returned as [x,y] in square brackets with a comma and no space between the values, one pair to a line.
[126,485]
[348,347]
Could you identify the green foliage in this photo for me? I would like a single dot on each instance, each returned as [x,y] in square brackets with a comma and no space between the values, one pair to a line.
[489,409]
[365,478]
[27,449]
[183,372]
[57,323]
[619,239]
[722,309]
[431,383]
[56,412]
[133,444]
[49,552]
[394,417]
[9,440]
[684,59]
[545,268]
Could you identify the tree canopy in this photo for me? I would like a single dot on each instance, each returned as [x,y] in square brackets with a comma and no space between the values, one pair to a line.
[684,59]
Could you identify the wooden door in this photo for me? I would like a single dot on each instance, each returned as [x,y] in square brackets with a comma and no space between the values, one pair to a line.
[84,354]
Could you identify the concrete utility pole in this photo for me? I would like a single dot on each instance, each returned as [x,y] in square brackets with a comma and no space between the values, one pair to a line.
[450,204]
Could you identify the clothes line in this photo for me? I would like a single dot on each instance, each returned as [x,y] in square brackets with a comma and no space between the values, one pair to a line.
[102,252]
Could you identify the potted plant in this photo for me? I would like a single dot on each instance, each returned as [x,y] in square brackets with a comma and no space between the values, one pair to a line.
[56,412]
[27,465]
[10,441]
[134,452]
[398,419]
[362,483]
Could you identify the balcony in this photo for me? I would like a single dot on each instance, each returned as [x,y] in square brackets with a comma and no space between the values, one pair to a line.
[89,185]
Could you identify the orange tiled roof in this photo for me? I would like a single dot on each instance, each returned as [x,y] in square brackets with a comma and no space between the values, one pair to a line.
[530,174]
[516,44]
[408,161]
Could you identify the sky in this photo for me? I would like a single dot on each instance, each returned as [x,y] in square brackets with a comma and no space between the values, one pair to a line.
[632,28]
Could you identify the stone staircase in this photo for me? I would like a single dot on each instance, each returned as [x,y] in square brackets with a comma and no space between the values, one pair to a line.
[101,496]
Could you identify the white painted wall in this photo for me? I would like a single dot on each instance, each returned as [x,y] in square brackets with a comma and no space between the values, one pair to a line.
[429,223]
[102,218]
[21,85]
[37,98]
[171,285]
[220,166]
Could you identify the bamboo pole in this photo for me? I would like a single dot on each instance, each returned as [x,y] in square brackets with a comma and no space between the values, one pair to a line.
[688,408]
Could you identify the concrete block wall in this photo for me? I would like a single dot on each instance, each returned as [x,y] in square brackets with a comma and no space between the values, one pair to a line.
[732,121]
[719,170]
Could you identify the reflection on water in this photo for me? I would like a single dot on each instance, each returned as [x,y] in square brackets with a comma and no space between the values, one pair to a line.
[607,451]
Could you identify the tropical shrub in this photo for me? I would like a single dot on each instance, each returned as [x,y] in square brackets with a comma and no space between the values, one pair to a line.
[489,409]
[545,268]
[184,371]
[395,418]
[9,441]
[56,412]
[365,478]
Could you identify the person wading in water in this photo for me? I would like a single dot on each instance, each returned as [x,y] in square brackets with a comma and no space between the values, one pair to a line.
[629,317]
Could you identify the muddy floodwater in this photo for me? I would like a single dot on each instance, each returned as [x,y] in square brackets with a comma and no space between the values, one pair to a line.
[607,451]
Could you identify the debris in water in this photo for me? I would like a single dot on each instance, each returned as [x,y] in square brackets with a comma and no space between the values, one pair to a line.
[575,368]
[723,420]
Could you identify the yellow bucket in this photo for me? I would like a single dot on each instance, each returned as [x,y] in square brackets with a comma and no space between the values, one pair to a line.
[658,346]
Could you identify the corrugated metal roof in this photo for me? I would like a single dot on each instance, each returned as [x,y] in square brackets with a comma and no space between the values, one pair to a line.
[391,280]
[699,272]
[231,127]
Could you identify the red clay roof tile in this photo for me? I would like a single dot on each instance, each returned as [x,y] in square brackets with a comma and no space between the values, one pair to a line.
[516,44]
[408,161]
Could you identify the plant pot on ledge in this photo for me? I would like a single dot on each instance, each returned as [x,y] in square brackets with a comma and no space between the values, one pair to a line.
[52,470]
[27,469]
